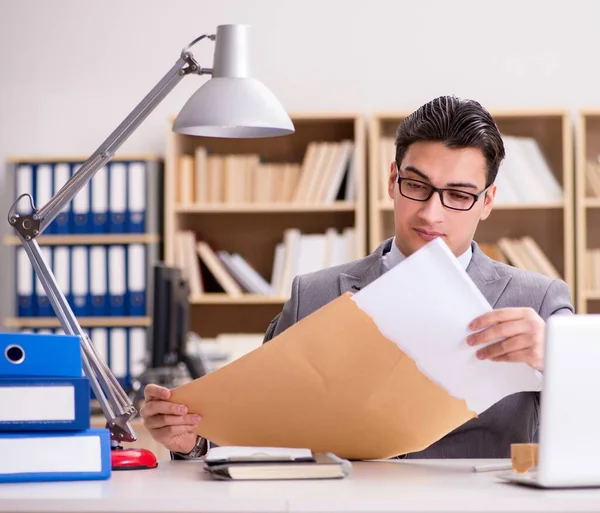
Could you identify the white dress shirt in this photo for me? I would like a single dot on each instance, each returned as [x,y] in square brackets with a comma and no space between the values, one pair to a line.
[394,256]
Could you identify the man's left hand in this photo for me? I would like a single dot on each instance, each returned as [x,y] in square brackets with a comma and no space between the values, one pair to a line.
[522,332]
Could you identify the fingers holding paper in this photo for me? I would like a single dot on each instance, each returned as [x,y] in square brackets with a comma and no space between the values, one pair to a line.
[518,332]
[168,423]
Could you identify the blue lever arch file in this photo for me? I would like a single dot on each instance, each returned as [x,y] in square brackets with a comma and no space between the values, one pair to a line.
[41,355]
[55,456]
[44,404]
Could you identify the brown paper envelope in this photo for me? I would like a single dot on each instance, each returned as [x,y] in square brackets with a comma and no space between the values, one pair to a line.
[330,382]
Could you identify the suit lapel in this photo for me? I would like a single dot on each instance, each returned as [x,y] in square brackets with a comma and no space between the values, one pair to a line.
[483,273]
[367,270]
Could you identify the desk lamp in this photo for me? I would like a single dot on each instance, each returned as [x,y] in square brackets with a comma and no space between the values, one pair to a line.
[230,105]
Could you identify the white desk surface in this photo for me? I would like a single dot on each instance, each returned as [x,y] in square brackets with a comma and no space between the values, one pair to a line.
[387,486]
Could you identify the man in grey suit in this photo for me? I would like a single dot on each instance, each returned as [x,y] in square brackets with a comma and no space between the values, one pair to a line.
[448,153]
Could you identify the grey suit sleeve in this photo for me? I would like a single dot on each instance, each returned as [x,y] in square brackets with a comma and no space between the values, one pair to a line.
[557,300]
[289,314]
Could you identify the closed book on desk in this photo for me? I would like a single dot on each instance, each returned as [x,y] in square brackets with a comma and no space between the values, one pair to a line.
[55,456]
[44,404]
[271,463]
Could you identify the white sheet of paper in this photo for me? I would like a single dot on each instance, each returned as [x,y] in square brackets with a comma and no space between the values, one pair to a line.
[226,453]
[425,304]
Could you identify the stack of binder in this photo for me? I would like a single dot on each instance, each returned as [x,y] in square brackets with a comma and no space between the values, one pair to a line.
[45,432]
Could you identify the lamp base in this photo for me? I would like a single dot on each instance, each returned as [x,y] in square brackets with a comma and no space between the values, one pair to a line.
[132,459]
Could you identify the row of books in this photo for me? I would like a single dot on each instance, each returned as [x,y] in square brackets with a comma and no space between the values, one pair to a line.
[297,253]
[324,176]
[122,197]
[97,280]
[522,252]
[592,179]
[123,349]
[46,412]
[592,270]
[524,175]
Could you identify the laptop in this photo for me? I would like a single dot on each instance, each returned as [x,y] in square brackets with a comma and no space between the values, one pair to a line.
[569,435]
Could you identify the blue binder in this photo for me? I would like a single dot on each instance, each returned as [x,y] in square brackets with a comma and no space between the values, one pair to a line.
[82,221]
[47,355]
[45,404]
[117,203]
[80,281]
[136,279]
[137,188]
[62,173]
[44,307]
[25,285]
[46,450]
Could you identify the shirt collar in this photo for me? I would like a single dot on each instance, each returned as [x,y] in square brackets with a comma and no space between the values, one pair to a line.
[395,256]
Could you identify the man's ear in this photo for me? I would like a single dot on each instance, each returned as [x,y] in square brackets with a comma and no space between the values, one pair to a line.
[488,202]
[392,180]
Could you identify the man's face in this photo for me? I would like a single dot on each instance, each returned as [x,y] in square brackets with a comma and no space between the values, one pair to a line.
[419,222]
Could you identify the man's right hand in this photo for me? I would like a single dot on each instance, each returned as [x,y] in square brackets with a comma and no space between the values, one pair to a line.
[168,423]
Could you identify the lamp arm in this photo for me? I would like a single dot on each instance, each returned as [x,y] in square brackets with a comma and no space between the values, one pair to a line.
[116,405]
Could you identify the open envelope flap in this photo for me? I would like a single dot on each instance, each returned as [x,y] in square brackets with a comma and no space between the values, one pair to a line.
[332,383]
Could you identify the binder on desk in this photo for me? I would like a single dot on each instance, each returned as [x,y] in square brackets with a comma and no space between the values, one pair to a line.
[62,173]
[55,456]
[80,281]
[99,186]
[99,280]
[137,192]
[136,279]
[81,208]
[25,285]
[44,308]
[117,280]
[27,354]
[117,183]
[44,404]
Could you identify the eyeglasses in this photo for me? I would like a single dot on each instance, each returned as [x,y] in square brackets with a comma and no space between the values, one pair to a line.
[454,199]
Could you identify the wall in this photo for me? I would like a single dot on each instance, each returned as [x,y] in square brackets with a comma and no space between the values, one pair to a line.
[70,70]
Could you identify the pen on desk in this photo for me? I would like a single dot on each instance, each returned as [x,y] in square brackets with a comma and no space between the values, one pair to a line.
[492,467]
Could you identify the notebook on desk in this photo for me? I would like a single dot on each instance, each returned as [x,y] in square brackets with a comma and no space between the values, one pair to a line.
[273,463]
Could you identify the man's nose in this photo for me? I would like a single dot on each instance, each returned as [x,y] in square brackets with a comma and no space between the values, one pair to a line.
[433,209]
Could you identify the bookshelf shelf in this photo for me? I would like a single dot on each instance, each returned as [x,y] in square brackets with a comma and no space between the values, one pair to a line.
[548,218]
[251,199]
[253,208]
[68,240]
[216,298]
[587,202]
[591,202]
[85,322]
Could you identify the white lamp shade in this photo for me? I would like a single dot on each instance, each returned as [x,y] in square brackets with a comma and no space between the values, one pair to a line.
[233,107]
[232,103]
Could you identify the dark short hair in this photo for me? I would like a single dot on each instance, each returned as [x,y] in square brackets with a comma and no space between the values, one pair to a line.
[456,122]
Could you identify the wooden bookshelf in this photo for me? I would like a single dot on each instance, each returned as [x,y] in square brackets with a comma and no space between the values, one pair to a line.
[137,236]
[587,215]
[548,220]
[253,228]
[84,322]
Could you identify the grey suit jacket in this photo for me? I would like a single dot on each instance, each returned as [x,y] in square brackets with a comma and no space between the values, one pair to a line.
[513,419]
